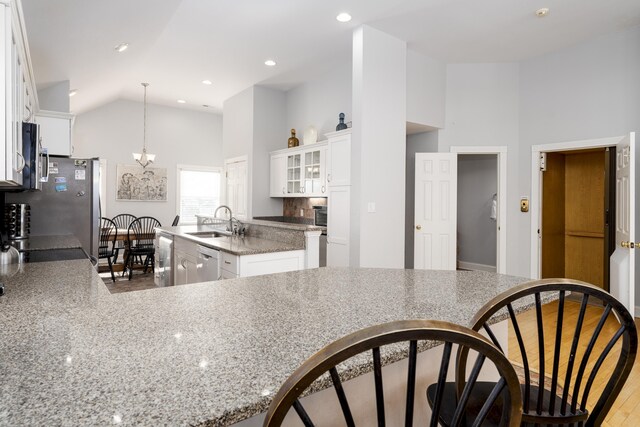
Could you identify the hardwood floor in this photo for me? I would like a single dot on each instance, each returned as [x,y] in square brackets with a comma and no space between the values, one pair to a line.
[626,409]
[139,282]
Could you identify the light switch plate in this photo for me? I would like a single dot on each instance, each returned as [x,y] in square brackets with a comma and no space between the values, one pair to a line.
[371,207]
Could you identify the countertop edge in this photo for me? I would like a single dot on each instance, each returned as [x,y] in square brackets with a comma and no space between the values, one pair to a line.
[278,246]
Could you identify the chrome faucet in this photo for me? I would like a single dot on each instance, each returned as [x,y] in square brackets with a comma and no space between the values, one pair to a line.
[238,228]
[215,215]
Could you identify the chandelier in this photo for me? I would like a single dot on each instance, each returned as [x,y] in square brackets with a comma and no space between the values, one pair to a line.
[143,158]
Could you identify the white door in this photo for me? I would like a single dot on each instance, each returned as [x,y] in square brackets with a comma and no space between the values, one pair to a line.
[622,281]
[237,188]
[435,211]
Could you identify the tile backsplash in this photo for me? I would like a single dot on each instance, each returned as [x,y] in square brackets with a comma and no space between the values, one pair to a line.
[291,207]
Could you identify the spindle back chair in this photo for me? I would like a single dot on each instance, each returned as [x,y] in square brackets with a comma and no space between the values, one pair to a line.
[562,394]
[506,396]
[107,246]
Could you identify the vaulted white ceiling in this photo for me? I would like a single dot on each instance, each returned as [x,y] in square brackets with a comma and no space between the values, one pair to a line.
[175,44]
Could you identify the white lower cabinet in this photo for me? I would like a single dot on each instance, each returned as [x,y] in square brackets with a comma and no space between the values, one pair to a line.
[229,266]
[233,266]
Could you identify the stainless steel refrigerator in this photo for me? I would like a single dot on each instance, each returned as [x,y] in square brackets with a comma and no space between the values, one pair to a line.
[69,203]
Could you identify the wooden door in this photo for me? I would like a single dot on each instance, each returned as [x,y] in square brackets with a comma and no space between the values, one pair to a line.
[435,211]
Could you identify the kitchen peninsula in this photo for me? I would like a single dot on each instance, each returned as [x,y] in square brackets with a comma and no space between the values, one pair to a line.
[209,353]
[266,247]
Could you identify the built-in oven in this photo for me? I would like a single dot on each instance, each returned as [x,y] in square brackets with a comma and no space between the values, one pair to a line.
[321,220]
[320,213]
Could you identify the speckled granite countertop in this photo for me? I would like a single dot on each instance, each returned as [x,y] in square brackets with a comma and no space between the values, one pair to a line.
[43,243]
[246,245]
[287,225]
[209,353]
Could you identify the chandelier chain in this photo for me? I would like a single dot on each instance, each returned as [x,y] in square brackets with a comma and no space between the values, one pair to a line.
[144,128]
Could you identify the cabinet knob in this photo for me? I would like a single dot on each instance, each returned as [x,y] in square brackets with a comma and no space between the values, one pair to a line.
[328,177]
[323,189]
[418,227]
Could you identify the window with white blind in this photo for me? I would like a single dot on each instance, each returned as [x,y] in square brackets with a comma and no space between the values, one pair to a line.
[198,191]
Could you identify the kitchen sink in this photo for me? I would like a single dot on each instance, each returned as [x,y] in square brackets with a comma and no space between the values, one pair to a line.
[209,234]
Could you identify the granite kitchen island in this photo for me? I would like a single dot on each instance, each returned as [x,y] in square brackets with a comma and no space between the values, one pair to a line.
[209,353]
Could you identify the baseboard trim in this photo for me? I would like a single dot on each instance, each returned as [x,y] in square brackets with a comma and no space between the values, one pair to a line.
[473,266]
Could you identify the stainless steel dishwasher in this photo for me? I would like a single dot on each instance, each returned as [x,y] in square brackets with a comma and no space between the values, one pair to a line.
[208,267]
[163,275]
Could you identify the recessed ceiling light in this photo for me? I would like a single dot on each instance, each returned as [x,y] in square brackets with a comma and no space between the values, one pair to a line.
[542,12]
[343,17]
[206,82]
[121,47]
[73,92]
[181,101]
[270,63]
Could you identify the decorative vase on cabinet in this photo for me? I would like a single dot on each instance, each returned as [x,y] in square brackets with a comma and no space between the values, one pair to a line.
[293,141]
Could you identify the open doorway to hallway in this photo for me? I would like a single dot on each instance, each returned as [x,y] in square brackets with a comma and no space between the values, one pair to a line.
[477,231]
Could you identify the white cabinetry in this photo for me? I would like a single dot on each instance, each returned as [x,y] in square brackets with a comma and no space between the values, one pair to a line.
[339,164]
[185,261]
[299,172]
[278,181]
[18,91]
[55,131]
[233,266]
[339,206]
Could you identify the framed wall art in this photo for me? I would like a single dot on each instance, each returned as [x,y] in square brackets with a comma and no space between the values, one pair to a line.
[141,184]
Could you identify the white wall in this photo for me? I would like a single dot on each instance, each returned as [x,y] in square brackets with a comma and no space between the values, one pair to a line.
[378,147]
[319,101]
[482,109]
[587,91]
[175,135]
[477,183]
[424,142]
[426,90]
[55,97]
[237,129]
[269,115]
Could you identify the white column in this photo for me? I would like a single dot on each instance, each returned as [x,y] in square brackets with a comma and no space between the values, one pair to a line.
[312,248]
[378,149]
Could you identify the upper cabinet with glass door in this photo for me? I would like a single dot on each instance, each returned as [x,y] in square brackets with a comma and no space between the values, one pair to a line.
[314,184]
[299,172]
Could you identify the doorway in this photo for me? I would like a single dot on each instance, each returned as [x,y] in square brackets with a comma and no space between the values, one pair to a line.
[477,212]
[577,213]
[435,212]
[622,260]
